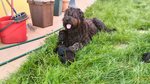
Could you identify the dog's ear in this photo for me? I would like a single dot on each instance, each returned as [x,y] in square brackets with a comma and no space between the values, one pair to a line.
[80,13]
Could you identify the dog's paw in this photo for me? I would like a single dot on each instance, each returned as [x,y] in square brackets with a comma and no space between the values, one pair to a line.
[65,55]
[75,47]
[70,56]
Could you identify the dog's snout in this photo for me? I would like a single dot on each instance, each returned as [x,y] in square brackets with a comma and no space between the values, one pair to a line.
[67,19]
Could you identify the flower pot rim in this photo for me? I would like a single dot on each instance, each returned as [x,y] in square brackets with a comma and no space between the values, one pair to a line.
[66,0]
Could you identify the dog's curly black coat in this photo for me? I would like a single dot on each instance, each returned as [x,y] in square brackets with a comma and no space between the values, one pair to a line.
[78,34]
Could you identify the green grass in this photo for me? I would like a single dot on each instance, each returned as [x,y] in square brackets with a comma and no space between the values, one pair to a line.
[109,58]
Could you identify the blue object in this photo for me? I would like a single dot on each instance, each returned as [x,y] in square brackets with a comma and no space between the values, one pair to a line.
[72,3]
[57,7]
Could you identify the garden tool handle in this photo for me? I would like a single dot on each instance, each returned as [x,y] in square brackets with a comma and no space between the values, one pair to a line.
[4,7]
[11,7]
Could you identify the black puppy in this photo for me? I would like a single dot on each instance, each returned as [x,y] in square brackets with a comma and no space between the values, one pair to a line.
[67,54]
[78,33]
[146,57]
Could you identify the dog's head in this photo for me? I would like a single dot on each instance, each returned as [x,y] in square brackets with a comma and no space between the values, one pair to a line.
[72,18]
[65,54]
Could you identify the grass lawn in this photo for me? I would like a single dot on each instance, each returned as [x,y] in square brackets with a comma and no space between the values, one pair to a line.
[109,58]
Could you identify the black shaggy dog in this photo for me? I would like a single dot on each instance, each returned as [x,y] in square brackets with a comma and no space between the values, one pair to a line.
[78,32]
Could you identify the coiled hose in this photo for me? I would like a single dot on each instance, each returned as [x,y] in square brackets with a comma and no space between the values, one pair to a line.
[22,55]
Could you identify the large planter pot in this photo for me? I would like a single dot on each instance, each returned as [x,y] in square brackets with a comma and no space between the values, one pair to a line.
[65,5]
[41,13]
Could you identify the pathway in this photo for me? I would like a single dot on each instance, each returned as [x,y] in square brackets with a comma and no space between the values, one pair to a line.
[9,53]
